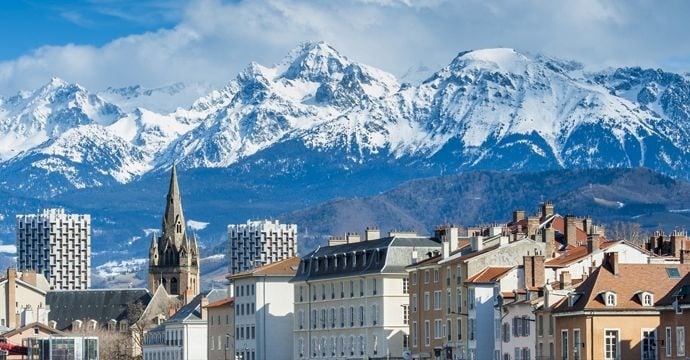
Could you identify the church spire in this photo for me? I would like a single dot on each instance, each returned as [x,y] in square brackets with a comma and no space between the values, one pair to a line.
[173,220]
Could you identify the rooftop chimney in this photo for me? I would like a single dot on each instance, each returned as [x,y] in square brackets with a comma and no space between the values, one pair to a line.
[677,244]
[547,209]
[352,238]
[204,310]
[611,260]
[566,281]
[372,233]
[449,239]
[518,215]
[571,230]
[532,225]
[11,307]
[587,225]
[534,271]
[592,243]
[548,237]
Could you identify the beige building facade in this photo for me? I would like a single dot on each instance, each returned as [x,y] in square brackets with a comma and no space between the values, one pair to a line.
[221,338]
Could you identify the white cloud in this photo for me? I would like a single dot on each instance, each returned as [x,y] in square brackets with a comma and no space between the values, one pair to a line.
[215,40]
[196,225]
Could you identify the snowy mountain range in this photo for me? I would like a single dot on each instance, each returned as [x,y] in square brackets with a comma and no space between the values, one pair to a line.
[488,109]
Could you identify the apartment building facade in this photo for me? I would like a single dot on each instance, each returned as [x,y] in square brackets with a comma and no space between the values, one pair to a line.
[57,245]
[263,311]
[612,314]
[467,327]
[351,300]
[258,243]
[221,329]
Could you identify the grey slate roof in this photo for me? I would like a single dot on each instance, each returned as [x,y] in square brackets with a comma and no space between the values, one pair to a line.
[385,255]
[192,311]
[100,305]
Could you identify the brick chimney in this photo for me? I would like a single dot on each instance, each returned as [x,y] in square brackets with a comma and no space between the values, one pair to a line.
[548,237]
[611,261]
[592,243]
[518,215]
[587,225]
[566,280]
[11,299]
[547,209]
[534,271]
[677,244]
[571,230]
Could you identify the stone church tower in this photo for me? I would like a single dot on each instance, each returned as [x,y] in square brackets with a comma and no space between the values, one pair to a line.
[173,257]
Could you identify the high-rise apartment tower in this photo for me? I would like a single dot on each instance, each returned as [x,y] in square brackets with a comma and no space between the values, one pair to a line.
[258,243]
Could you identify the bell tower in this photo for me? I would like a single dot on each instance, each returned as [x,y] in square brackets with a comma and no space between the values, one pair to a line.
[173,258]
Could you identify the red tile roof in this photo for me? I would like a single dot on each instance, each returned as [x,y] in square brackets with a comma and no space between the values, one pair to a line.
[223,302]
[488,275]
[631,279]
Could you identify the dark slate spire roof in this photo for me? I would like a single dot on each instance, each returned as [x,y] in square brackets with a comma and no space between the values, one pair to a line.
[173,220]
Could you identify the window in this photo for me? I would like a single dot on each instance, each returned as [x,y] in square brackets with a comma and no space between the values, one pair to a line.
[374,289]
[342,317]
[438,331]
[414,334]
[427,301]
[332,317]
[506,332]
[525,326]
[342,289]
[648,344]
[680,341]
[458,275]
[540,325]
[405,286]
[323,318]
[374,315]
[668,344]
[517,326]
[611,351]
[437,300]
[414,303]
[361,287]
[610,298]
[564,345]
[301,319]
[313,319]
[332,291]
[406,314]
[352,316]
[435,275]
[458,300]
[426,276]
[647,299]
[471,328]
[427,333]
[576,344]
[414,278]
[470,298]
[352,288]
[323,291]
[448,330]
[448,301]
[448,276]
[459,327]
[361,316]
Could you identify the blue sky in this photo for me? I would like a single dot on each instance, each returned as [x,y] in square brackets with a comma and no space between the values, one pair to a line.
[101,43]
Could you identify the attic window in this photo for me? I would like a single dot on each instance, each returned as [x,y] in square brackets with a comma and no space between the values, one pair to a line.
[673,273]
[647,299]
[610,298]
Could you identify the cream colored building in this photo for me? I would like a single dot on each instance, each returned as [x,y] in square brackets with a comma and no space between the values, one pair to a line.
[21,291]
[351,300]
[221,323]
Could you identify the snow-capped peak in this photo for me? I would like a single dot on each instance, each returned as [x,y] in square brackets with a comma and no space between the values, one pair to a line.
[313,61]
[503,60]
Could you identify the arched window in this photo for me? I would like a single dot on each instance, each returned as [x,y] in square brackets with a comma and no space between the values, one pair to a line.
[173,286]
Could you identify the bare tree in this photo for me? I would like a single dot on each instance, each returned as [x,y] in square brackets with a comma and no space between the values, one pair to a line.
[629,231]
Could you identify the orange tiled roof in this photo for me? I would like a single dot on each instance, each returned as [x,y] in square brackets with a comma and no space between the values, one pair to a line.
[632,279]
[575,253]
[488,275]
[287,267]
[220,303]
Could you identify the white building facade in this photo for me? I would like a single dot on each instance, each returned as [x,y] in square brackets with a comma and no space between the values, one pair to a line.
[258,243]
[57,245]
[264,312]
[351,300]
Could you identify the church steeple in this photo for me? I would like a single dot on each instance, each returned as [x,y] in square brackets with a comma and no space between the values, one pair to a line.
[173,220]
[173,256]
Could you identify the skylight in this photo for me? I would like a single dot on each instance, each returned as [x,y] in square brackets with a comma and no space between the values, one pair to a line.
[673,273]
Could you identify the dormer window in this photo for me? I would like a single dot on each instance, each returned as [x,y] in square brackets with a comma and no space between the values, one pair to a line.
[610,298]
[573,298]
[646,298]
